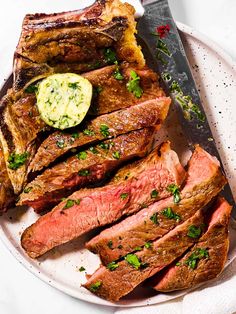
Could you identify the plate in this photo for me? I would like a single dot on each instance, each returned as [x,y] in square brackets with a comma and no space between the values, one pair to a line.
[214,73]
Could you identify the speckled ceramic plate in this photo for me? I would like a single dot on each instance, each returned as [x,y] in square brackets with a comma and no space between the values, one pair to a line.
[215,75]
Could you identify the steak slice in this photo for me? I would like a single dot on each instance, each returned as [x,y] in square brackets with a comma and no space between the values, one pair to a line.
[193,269]
[75,41]
[147,114]
[91,208]
[16,139]
[114,283]
[61,180]
[204,181]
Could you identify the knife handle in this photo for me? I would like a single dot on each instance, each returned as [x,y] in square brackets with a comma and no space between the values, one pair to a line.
[139,9]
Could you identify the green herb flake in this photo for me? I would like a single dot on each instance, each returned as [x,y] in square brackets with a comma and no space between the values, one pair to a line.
[112,266]
[73,85]
[15,161]
[69,204]
[117,74]
[81,155]
[84,173]
[110,55]
[194,232]
[93,150]
[82,269]
[162,46]
[123,196]
[27,189]
[31,89]
[178,264]
[174,189]
[138,248]
[75,135]
[116,155]
[148,245]
[195,257]
[104,146]
[154,218]
[110,244]
[168,213]
[88,132]
[154,194]
[104,129]
[133,85]
[60,143]
[133,260]
[95,286]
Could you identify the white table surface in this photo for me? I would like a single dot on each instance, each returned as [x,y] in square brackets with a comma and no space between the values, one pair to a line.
[20,291]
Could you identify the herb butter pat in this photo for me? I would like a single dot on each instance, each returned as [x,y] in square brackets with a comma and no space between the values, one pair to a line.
[64,99]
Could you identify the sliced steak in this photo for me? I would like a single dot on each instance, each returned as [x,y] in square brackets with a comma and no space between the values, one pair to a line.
[204,181]
[91,208]
[147,114]
[94,163]
[18,142]
[204,261]
[118,280]
[75,41]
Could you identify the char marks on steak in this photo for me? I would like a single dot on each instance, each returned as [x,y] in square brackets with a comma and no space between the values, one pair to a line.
[203,182]
[75,41]
[129,273]
[147,114]
[63,179]
[104,205]
[215,241]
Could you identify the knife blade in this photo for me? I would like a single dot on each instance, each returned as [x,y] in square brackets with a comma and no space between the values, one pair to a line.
[166,55]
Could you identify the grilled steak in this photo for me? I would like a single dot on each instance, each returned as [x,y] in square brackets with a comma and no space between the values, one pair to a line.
[204,181]
[149,113]
[91,208]
[112,283]
[62,179]
[18,142]
[112,94]
[6,191]
[192,269]
[75,41]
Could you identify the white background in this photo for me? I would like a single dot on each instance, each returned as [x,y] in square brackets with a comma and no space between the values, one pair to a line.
[20,291]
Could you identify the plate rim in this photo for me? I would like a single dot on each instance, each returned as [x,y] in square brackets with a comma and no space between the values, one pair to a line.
[188,30]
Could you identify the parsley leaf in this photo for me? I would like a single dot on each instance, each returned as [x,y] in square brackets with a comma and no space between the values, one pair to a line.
[84,173]
[138,248]
[15,161]
[123,196]
[104,129]
[168,213]
[69,203]
[73,85]
[81,155]
[116,155]
[154,194]
[27,190]
[88,132]
[133,85]
[31,88]
[195,257]
[93,150]
[148,245]
[95,286]
[112,266]
[110,55]
[194,232]
[104,146]
[60,143]
[133,260]
[174,189]
[154,218]
[117,74]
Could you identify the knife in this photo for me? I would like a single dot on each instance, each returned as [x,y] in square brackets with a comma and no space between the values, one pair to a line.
[165,54]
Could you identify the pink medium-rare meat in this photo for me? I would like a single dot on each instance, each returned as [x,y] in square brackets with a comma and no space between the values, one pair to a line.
[204,181]
[47,189]
[91,208]
[150,113]
[205,260]
[117,280]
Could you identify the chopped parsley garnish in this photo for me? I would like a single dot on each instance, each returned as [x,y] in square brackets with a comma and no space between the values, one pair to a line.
[70,203]
[15,161]
[154,194]
[104,146]
[195,257]
[178,264]
[133,85]
[112,266]
[138,248]
[110,55]
[84,173]
[73,85]
[168,213]
[27,190]
[117,74]
[75,135]
[81,155]
[82,269]
[110,244]
[31,88]
[96,91]
[93,150]
[60,143]
[95,286]
[174,189]
[194,232]
[123,196]
[148,245]
[88,132]
[154,218]
[116,155]
[104,129]
[133,260]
